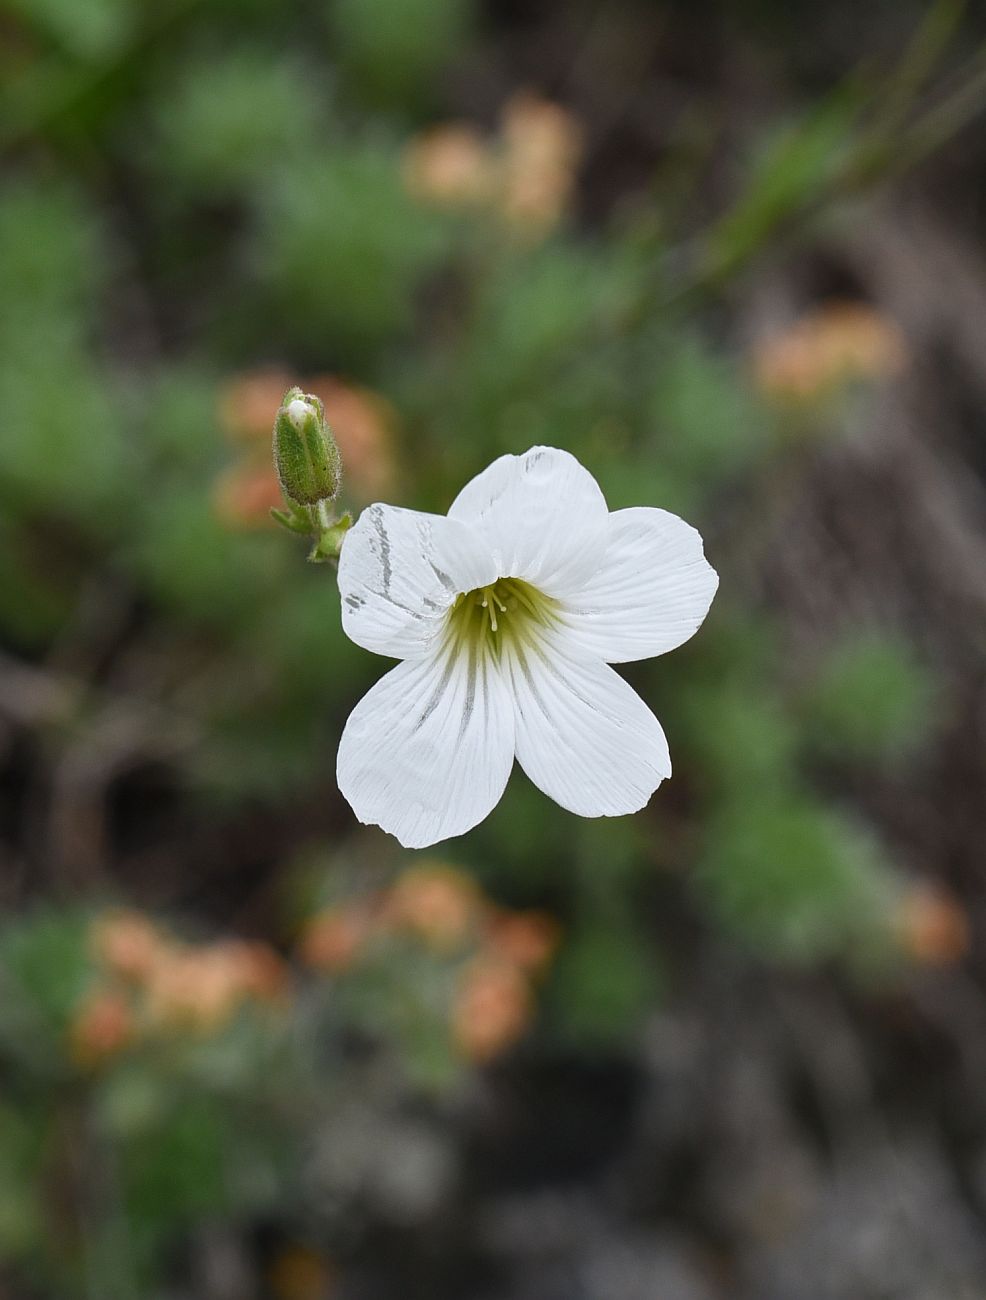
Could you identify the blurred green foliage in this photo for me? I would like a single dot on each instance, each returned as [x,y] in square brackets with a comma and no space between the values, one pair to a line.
[88,32]
[392,54]
[223,117]
[342,249]
[871,701]
[157,1082]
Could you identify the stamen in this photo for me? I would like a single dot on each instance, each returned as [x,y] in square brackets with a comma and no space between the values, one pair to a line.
[509,607]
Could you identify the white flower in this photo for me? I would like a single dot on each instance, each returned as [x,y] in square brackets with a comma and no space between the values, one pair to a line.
[506,615]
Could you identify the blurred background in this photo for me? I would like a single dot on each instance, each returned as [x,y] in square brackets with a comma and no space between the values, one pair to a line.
[733,256]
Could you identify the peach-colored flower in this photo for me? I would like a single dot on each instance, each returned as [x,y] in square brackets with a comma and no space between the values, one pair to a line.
[126,943]
[334,938]
[449,166]
[249,402]
[262,972]
[436,902]
[527,939]
[542,149]
[525,175]
[932,926]
[491,1010]
[195,989]
[200,987]
[836,343]
[245,494]
[101,1028]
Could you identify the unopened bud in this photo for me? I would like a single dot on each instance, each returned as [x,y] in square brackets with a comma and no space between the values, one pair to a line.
[305,454]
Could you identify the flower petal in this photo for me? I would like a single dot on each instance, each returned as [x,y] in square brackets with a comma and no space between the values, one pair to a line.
[584,736]
[427,751]
[542,514]
[650,593]
[400,570]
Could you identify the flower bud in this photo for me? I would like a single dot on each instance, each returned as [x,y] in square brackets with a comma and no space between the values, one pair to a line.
[305,453]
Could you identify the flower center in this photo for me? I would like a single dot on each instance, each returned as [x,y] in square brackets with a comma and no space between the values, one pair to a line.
[507,608]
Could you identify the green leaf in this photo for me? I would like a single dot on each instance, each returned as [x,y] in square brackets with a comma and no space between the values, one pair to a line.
[795,165]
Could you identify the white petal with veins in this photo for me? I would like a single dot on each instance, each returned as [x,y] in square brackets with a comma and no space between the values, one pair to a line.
[543,516]
[427,751]
[400,570]
[584,736]
[651,592]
